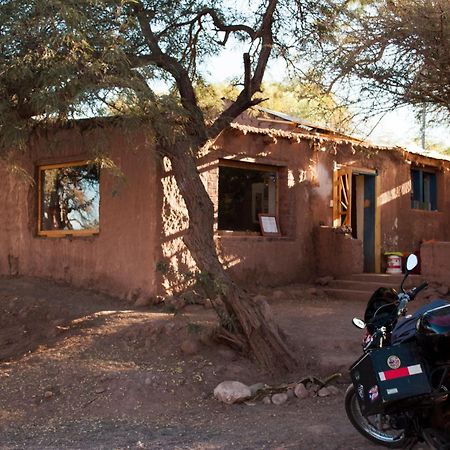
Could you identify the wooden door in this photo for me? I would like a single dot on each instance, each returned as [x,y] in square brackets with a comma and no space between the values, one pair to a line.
[342,197]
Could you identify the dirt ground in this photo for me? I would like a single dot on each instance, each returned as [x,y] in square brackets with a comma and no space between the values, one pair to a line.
[82,370]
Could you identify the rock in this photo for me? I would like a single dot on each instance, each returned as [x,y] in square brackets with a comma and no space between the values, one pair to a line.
[48,394]
[290,393]
[190,346]
[279,399]
[254,388]
[324,281]
[230,392]
[333,390]
[442,290]
[266,400]
[300,391]
[324,392]
[314,388]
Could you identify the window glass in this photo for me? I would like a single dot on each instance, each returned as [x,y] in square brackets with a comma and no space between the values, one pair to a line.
[423,195]
[69,198]
[243,194]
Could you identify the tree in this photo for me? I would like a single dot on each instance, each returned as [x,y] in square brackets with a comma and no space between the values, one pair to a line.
[397,49]
[58,57]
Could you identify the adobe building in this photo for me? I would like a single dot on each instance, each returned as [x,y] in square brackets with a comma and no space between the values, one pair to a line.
[292,201]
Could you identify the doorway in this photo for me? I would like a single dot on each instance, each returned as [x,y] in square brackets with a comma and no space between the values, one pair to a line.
[354,206]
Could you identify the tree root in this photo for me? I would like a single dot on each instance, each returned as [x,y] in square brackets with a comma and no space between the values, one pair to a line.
[278,388]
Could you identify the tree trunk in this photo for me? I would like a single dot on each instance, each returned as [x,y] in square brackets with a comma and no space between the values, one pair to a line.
[253,327]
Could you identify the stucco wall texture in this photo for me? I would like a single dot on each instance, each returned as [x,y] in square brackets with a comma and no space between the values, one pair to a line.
[117,260]
[139,250]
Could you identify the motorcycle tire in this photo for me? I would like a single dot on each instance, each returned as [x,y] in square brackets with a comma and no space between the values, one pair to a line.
[376,428]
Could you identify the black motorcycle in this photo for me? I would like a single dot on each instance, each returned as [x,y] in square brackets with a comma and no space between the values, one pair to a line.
[399,394]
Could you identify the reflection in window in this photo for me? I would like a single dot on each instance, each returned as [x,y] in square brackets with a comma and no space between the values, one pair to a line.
[243,194]
[423,194]
[69,199]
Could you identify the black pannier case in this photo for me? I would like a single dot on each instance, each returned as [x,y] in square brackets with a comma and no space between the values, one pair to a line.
[386,375]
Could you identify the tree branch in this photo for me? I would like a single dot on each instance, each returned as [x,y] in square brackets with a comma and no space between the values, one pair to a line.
[252,84]
[176,69]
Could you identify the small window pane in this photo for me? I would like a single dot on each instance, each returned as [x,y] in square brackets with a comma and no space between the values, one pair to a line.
[243,194]
[423,195]
[70,198]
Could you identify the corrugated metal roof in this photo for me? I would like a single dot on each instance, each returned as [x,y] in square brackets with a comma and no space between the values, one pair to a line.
[277,133]
[334,135]
[305,124]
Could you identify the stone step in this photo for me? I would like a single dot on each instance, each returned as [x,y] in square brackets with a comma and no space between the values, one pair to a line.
[358,285]
[385,278]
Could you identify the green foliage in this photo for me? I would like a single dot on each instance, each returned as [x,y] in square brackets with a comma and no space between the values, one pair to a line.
[306,101]
[393,53]
[297,99]
[62,59]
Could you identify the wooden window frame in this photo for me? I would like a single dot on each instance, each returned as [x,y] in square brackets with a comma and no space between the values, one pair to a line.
[59,233]
[422,171]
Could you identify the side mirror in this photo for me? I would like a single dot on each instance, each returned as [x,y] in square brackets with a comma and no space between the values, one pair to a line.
[358,323]
[411,262]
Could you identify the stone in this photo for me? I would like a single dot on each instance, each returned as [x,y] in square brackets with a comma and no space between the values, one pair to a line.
[314,388]
[230,392]
[324,392]
[279,399]
[312,291]
[300,391]
[290,393]
[48,394]
[333,390]
[190,346]
[266,400]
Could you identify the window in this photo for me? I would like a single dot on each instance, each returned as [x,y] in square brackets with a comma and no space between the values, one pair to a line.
[244,192]
[423,195]
[69,199]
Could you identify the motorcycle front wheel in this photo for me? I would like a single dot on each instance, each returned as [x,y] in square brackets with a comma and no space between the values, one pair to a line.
[376,428]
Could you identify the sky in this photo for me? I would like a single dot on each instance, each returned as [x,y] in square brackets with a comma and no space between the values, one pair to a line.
[396,128]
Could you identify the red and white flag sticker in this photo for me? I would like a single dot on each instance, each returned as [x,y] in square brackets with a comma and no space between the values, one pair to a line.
[400,373]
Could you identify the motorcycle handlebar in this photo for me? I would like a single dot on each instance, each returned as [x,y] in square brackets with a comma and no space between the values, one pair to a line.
[414,291]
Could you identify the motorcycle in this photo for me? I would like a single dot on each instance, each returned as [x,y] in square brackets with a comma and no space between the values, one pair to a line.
[399,394]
